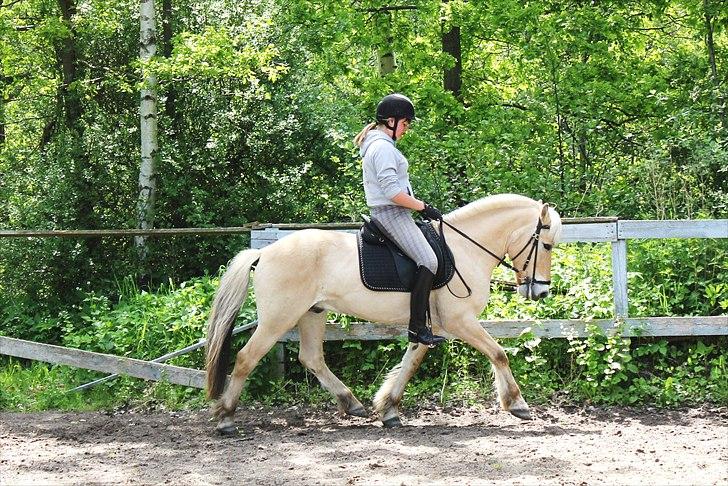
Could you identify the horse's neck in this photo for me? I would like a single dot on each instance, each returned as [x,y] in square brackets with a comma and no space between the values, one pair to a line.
[493,229]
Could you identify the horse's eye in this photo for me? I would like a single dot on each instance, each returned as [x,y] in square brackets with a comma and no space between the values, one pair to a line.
[548,247]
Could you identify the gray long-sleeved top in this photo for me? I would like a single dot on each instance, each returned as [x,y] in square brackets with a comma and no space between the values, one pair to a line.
[385,169]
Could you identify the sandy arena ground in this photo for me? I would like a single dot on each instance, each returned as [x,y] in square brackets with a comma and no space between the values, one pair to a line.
[590,446]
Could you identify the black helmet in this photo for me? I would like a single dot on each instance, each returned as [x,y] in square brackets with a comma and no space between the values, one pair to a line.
[395,106]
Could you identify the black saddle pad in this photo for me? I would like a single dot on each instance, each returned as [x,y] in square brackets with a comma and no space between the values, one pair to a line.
[383,266]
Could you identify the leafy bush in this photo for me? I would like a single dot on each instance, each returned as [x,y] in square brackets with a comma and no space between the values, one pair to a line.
[678,277]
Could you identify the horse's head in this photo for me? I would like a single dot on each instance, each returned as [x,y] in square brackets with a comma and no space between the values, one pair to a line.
[530,251]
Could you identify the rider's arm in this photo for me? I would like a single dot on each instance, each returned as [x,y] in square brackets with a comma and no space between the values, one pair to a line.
[404,199]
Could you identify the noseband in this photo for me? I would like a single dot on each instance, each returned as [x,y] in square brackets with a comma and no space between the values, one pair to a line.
[530,281]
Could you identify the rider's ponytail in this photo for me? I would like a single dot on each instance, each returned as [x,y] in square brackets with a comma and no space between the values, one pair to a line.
[359,139]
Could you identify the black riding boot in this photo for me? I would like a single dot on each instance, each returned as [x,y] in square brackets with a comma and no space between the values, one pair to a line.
[418,330]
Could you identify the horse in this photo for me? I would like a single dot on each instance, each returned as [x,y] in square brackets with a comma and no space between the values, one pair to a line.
[301,277]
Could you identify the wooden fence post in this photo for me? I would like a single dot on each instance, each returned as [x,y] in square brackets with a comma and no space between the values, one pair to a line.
[619,278]
[279,365]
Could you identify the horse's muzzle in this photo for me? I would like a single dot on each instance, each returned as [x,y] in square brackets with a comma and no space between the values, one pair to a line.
[533,291]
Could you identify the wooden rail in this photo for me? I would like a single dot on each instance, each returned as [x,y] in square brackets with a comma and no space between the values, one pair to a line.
[230,230]
[102,362]
[546,328]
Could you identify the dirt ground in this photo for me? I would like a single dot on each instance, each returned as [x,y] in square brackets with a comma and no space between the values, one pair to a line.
[582,446]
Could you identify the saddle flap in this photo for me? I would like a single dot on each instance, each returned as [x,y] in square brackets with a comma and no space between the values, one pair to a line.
[370,232]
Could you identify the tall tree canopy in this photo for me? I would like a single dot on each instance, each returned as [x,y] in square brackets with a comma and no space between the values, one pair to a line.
[606,107]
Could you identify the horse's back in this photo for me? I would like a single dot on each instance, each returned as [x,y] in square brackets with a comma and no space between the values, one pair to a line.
[308,250]
[308,240]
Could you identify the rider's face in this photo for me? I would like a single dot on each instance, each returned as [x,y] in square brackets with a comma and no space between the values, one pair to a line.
[402,127]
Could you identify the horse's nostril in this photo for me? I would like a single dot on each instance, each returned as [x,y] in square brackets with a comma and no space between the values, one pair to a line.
[543,294]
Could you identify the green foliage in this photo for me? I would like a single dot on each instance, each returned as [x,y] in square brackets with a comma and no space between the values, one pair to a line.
[143,324]
[606,368]
[678,277]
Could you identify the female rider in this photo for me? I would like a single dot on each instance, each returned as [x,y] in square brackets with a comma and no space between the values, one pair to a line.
[391,200]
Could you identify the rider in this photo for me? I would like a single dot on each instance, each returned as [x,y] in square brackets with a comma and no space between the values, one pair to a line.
[390,199]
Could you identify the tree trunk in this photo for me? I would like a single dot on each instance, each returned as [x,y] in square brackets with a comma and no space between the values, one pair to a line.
[387,62]
[2,116]
[148,126]
[452,81]
[721,176]
[452,78]
[709,40]
[70,108]
[169,105]
[69,62]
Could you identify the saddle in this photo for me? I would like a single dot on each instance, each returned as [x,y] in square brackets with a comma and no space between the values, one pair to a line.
[384,267]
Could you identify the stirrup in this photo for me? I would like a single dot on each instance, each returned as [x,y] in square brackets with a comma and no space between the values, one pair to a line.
[427,338]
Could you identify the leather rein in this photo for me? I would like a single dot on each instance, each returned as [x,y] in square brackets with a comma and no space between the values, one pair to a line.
[533,253]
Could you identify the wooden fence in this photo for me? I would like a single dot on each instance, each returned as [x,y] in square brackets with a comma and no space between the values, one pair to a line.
[602,230]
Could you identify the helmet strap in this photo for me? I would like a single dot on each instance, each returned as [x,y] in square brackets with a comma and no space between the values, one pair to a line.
[393,128]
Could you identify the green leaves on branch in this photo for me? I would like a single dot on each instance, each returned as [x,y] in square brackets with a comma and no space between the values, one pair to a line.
[216,54]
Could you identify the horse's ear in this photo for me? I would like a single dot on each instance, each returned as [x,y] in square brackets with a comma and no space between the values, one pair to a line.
[545,216]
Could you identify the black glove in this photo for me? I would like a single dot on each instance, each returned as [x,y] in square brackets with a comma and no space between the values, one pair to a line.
[431,213]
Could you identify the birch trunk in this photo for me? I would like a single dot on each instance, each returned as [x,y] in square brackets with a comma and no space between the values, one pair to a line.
[148,125]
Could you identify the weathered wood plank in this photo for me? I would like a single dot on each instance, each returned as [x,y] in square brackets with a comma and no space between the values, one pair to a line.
[619,277]
[709,228]
[590,229]
[101,362]
[552,328]
[586,232]
[357,224]
[124,232]
[168,356]
[262,238]
[589,232]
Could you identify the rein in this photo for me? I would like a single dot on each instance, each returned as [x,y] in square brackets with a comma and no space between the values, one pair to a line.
[533,253]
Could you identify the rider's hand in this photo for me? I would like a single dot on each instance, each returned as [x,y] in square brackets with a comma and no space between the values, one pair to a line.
[431,213]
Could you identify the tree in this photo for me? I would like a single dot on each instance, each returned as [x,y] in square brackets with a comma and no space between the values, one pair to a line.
[148,124]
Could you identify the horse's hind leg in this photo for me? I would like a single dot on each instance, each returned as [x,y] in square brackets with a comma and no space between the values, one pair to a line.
[311,354]
[386,401]
[509,394]
[247,358]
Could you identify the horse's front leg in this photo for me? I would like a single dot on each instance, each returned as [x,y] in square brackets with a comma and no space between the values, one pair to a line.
[386,401]
[509,394]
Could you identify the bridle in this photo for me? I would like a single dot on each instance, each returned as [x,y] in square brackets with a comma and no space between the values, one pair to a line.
[530,281]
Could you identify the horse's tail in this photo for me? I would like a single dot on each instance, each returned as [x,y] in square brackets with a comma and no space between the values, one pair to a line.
[229,297]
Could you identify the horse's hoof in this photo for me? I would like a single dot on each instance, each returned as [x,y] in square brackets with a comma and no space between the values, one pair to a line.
[358,412]
[521,413]
[392,422]
[227,430]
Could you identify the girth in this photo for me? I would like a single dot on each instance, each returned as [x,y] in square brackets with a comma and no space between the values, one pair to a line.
[383,265]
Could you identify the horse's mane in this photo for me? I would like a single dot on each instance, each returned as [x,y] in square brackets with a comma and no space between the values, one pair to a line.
[489,203]
[501,201]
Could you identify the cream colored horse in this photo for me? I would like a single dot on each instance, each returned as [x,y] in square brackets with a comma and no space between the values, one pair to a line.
[305,274]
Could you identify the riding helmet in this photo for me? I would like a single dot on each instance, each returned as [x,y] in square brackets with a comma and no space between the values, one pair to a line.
[396,106]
